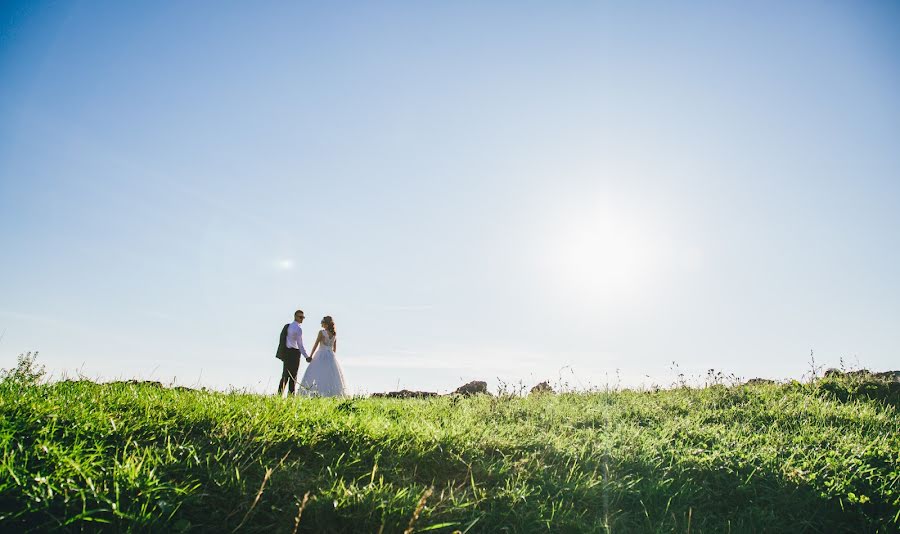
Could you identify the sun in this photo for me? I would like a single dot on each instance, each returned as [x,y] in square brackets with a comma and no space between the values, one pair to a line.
[604,253]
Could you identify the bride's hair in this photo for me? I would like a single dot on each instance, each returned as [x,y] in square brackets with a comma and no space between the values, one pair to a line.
[328,323]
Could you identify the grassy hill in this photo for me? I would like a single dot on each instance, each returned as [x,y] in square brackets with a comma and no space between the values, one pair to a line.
[821,457]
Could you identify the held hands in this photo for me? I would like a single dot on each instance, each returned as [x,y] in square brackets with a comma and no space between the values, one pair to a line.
[308,359]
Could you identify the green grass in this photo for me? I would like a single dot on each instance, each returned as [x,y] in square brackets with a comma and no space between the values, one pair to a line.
[822,457]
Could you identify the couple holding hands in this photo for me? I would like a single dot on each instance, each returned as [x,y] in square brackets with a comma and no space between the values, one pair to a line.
[323,376]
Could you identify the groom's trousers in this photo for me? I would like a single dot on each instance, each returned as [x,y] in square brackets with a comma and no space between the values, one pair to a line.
[289,370]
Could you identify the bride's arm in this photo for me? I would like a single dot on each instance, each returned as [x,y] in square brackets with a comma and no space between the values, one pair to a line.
[315,345]
[335,345]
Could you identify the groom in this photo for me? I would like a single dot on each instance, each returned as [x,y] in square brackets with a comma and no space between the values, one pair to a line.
[293,349]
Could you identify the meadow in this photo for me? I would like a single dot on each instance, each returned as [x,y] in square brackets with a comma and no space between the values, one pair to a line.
[818,456]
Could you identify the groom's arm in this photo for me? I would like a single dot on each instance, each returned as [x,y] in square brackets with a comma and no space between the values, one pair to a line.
[300,344]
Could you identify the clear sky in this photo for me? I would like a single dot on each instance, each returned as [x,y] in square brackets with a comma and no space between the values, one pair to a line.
[508,191]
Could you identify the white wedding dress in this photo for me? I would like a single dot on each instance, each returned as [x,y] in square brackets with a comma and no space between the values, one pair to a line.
[323,376]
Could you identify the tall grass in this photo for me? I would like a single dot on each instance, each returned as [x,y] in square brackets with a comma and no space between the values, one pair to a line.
[774,458]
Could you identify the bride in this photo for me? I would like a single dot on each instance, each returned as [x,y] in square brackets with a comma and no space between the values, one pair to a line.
[323,376]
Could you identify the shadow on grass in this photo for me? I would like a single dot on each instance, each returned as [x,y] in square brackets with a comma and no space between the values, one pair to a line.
[518,489]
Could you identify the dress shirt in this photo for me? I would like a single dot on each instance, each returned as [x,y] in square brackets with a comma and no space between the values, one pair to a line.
[295,338]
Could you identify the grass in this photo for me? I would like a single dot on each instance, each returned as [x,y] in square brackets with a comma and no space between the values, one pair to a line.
[819,457]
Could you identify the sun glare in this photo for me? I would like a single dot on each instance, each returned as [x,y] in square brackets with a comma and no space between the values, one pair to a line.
[605,253]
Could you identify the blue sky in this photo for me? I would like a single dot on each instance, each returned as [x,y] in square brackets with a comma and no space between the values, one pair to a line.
[509,191]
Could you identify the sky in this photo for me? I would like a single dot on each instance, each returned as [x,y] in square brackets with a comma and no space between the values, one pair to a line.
[592,193]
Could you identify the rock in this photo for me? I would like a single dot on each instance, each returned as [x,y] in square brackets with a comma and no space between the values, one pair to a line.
[78,381]
[759,382]
[135,382]
[472,388]
[543,387]
[405,394]
[892,376]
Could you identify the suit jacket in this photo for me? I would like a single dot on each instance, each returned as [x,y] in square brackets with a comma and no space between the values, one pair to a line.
[282,343]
